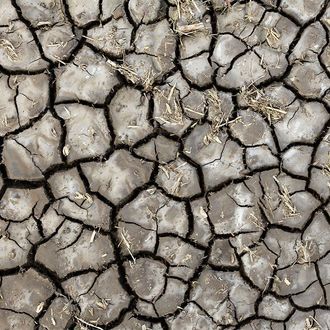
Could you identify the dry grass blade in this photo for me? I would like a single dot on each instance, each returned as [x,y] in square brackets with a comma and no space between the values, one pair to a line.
[87,323]
[272,36]
[9,49]
[311,324]
[173,113]
[256,221]
[305,251]
[186,7]
[289,207]
[259,102]
[127,243]
[190,29]
[219,118]
[125,69]
[252,254]
[130,73]
[326,167]
[176,174]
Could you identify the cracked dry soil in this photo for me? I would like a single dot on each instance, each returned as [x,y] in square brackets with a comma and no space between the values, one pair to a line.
[165,164]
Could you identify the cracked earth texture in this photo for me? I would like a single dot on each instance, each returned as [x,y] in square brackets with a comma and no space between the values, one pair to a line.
[165,164]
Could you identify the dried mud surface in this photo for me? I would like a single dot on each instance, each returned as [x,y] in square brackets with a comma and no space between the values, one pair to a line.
[165,164]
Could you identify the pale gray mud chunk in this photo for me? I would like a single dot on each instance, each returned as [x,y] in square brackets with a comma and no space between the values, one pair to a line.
[273,60]
[8,13]
[88,78]
[58,42]
[296,160]
[29,154]
[259,264]
[134,238]
[67,183]
[312,296]
[220,158]
[124,174]
[179,178]
[309,79]
[198,70]
[263,325]
[246,70]
[46,12]
[50,221]
[311,44]
[87,133]
[241,20]
[275,32]
[74,249]
[251,129]
[168,111]
[325,61]
[112,8]
[143,70]
[260,157]
[322,317]
[183,257]
[302,124]
[202,231]
[24,292]
[300,320]
[9,119]
[295,210]
[131,322]
[192,317]
[146,277]
[113,38]
[105,301]
[160,149]
[83,12]
[146,11]
[195,38]
[224,295]
[149,214]
[172,298]
[284,244]
[58,316]
[275,309]
[194,104]
[320,168]
[16,240]
[226,49]
[284,200]
[234,210]
[75,286]
[157,40]
[324,268]
[129,113]
[243,241]
[294,279]
[222,254]
[31,96]
[186,13]
[18,55]
[19,204]
[316,236]
[11,320]
[303,11]
[86,208]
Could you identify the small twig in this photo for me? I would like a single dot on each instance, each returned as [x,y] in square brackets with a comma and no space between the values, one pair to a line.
[86,323]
